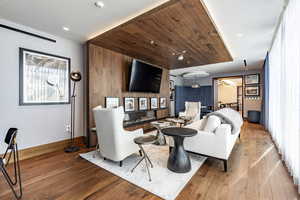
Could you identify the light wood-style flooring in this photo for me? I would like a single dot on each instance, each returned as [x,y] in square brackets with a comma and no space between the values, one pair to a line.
[255,173]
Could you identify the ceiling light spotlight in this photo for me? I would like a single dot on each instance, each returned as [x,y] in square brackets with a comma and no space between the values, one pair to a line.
[151,42]
[66,28]
[180,57]
[99,4]
[184,51]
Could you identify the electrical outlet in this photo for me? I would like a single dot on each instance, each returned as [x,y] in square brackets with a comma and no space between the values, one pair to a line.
[68,128]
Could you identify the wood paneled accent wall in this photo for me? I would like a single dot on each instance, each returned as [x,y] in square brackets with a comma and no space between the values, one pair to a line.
[108,77]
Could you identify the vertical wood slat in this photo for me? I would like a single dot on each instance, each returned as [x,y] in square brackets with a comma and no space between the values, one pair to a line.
[108,77]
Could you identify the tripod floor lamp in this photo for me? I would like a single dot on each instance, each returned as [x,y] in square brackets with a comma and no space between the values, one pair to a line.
[75,77]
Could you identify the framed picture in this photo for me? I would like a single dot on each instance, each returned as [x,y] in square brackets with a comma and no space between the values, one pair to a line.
[143,103]
[253,90]
[112,102]
[129,104]
[154,103]
[252,79]
[163,102]
[43,78]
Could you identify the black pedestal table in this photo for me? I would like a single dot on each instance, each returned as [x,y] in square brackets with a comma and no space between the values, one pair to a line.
[179,160]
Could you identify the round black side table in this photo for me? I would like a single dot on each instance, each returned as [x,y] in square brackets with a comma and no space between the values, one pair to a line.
[179,160]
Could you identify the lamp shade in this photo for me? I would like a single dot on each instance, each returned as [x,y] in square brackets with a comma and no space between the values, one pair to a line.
[75,76]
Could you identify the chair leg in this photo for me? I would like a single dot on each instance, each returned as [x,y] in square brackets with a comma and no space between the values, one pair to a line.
[17,174]
[225,165]
[121,163]
[104,158]
[170,149]
[140,153]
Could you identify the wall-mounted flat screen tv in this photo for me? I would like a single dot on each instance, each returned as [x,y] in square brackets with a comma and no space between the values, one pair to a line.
[144,78]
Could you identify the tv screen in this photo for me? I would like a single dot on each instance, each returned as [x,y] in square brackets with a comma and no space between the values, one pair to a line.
[144,78]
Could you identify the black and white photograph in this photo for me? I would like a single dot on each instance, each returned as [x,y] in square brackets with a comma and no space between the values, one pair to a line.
[112,102]
[154,103]
[252,79]
[252,90]
[44,78]
[163,102]
[143,103]
[129,104]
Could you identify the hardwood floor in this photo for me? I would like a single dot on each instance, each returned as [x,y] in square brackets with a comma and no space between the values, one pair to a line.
[255,172]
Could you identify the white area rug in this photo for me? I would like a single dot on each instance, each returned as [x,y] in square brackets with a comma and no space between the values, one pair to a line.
[165,183]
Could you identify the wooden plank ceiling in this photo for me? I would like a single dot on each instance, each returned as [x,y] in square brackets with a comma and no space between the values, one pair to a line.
[160,36]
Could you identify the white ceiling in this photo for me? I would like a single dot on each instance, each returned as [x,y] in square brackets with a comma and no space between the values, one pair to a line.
[255,19]
[81,16]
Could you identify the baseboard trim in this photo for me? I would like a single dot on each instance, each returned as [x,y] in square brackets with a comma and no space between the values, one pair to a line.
[47,148]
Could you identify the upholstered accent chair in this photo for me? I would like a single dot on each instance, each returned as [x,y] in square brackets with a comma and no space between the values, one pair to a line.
[115,143]
[192,111]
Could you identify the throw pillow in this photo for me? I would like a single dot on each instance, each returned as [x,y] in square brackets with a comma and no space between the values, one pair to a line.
[212,123]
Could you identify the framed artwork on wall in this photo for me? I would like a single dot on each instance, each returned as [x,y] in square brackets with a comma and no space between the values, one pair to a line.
[129,104]
[253,90]
[153,103]
[143,103]
[252,79]
[163,102]
[43,78]
[112,102]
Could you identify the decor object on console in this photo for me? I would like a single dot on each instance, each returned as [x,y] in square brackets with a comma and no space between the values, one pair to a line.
[75,77]
[10,140]
[251,79]
[154,103]
[217,144]
[112,102]
[161,140]
[115,143]
[143,103]
[163,102]
[144,140]
[129,104]
[43,78]
[192,111]
[252,90]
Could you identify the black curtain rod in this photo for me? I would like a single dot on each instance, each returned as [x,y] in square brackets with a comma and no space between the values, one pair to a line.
[27,33]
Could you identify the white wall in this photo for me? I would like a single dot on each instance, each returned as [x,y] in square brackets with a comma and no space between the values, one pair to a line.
[37,124]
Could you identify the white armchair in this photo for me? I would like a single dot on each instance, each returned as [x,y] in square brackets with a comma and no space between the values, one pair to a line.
[115,143]
[192,111]
[217,144]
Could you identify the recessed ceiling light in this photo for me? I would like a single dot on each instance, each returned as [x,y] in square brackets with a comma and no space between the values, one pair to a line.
[66,28]
[239,34]
[184,51]
[180,57]
[151,42]
[99,4]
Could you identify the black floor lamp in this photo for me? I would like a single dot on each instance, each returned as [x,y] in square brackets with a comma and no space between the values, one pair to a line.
[75,77]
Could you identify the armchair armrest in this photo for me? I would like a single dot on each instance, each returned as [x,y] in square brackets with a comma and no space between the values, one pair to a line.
[182,114]
[135,133]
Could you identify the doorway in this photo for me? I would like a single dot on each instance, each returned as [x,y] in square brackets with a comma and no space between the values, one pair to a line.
[228,93]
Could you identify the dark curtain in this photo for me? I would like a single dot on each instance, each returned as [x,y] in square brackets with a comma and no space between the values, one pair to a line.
[265,104]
